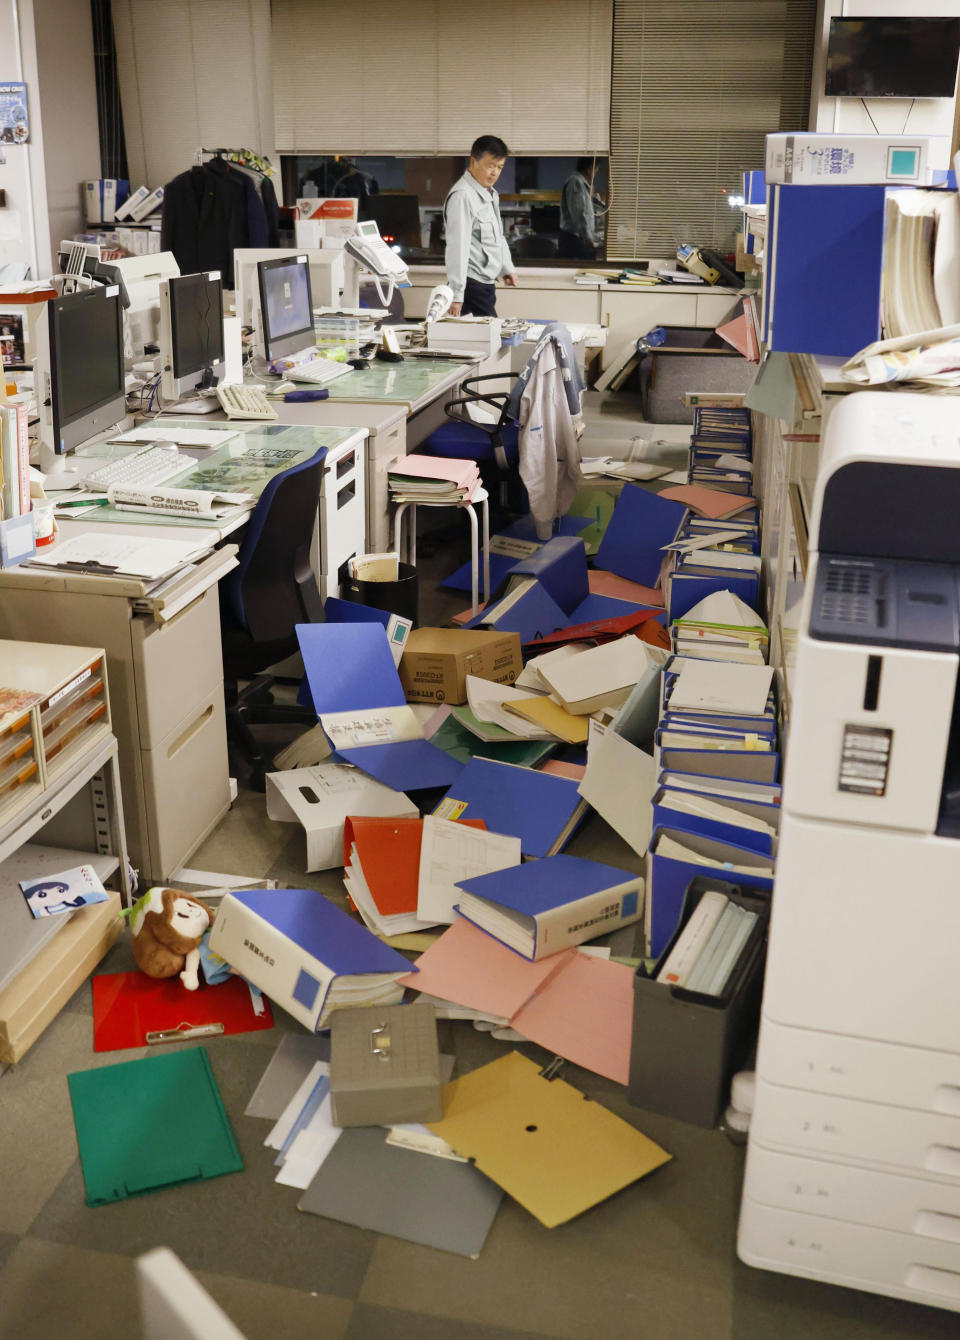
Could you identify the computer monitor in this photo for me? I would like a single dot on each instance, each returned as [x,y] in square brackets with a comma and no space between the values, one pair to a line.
[191,333]
[892,57]
[286,306]
[326,277]
[78,374]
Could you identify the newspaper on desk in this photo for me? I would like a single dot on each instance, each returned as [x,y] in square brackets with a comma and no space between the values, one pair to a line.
[177,502]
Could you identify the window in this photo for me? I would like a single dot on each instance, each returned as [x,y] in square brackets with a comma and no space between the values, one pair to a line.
[696,86]
[405,196]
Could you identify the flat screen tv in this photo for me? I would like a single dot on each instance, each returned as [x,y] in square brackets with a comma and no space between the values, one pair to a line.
[892,58]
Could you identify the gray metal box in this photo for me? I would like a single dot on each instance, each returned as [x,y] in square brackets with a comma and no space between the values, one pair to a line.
[385,1065]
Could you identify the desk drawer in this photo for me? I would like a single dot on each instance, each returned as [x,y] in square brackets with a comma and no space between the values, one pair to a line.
[176,665]
[875,1072]
[900,1264]
[186,785]
[856,1195]
[920,1143]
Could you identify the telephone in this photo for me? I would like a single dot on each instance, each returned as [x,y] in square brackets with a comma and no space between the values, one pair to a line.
[368,247]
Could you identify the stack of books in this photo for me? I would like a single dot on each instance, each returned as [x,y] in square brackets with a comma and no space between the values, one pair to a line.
[627,278]
[722,627]
[433,479]
[709,948]
[716,800]
[721,449]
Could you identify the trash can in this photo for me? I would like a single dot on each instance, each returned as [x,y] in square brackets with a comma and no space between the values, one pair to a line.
[395,597]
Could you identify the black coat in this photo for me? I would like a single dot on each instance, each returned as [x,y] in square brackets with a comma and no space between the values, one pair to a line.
[207,212]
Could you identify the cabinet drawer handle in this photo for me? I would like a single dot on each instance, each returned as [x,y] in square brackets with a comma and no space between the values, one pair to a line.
[931,1280]
[934,1224]
[191,731]
[943,1159]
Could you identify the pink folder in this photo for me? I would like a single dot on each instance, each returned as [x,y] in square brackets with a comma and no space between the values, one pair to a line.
[712,503]
[463,474]
[609,584]
[577,1006]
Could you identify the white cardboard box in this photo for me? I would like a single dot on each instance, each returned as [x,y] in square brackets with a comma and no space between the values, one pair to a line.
[853,160]
[484,333]
[320,798]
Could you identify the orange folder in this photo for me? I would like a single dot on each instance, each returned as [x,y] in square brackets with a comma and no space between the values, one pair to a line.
[711,503]
[388,850]
[129,1005]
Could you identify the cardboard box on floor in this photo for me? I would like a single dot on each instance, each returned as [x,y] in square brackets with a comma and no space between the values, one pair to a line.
[436,662]
[38,993]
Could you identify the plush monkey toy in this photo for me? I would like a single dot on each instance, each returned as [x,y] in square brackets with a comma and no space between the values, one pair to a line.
[167,927]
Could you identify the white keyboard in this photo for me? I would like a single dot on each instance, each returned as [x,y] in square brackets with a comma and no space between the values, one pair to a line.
[148,465]
[318,371]
[245,402]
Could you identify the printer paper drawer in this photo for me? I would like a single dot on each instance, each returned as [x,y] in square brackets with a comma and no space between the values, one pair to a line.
[901,1264]
[795,1121]
[856,1195]
[874,1072]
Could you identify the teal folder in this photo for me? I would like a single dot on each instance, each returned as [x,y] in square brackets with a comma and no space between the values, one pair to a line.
[142,1125]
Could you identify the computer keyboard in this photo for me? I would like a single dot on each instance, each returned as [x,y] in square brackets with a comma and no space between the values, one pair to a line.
[148,465]
[245,402]
[318,371]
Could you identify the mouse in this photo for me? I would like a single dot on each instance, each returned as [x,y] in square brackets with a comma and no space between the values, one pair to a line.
[284,386]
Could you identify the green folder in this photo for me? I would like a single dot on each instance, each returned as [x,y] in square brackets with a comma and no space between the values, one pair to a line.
[454,739]
[142,1125]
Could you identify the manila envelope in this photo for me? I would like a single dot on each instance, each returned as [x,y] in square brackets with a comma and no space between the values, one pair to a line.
[543,1141]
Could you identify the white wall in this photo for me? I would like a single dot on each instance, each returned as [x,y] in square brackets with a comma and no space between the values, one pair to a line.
[21,176]
[191,74]
[929,116]
[68,91]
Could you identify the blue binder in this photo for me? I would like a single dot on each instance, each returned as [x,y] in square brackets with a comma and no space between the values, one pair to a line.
[824,260]
[537,807]
[642,523]
[720,830]
[668,880]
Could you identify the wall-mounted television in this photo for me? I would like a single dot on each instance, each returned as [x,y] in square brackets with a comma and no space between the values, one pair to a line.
[892,58]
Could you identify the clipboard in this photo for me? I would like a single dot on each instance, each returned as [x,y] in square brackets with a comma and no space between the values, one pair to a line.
[129,1005]
[143,1125]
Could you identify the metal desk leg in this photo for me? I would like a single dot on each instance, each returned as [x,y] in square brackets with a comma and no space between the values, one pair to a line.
[474,559]
[485,512]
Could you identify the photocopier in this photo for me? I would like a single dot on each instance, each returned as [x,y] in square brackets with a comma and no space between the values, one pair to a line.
[853,1165]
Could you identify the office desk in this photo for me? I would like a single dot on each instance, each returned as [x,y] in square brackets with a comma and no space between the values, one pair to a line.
[163,649]
[421,385]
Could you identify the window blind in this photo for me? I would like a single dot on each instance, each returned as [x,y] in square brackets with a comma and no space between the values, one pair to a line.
[191,75]
[534,72]
[695,87]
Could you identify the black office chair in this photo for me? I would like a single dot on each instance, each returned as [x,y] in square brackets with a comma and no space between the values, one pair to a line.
[262,600]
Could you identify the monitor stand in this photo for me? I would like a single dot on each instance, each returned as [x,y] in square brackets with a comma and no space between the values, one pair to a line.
[201,405]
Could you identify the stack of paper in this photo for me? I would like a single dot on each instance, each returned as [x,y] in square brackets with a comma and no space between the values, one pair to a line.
[722,627]
[713,708]
[602,677]
[426,479]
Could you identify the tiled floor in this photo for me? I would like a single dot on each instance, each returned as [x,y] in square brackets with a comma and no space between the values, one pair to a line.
[656,1261]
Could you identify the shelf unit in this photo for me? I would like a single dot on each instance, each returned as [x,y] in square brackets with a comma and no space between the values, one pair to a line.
[76,821]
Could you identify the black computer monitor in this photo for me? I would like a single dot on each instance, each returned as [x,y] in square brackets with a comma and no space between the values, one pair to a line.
[892,57]
[80,361]
[286,306]
[191,333]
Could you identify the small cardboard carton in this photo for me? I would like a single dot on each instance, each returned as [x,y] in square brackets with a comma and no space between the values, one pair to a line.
[436,662]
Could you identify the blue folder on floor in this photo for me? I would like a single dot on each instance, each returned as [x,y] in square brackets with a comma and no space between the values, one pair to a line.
[533,615]
[405,765]
[539,808]
[523,529]
[642,523]
[349,666]
[668,879]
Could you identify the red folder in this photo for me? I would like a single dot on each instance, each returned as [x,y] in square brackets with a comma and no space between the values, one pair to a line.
[388,850]
[640,622]
[129,1005]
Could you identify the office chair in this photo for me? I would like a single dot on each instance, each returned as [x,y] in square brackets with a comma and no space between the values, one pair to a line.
[262,600]
[494,446]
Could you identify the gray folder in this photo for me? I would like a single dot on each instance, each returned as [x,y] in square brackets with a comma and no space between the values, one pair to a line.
[403,1193]
[22,935]
[289,1066]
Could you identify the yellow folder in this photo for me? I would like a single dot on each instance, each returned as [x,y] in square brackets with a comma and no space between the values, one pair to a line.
[551,716]
[544,1142]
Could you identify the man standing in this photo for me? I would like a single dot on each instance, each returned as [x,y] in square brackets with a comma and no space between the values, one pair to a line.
[578,231]
[477,254]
